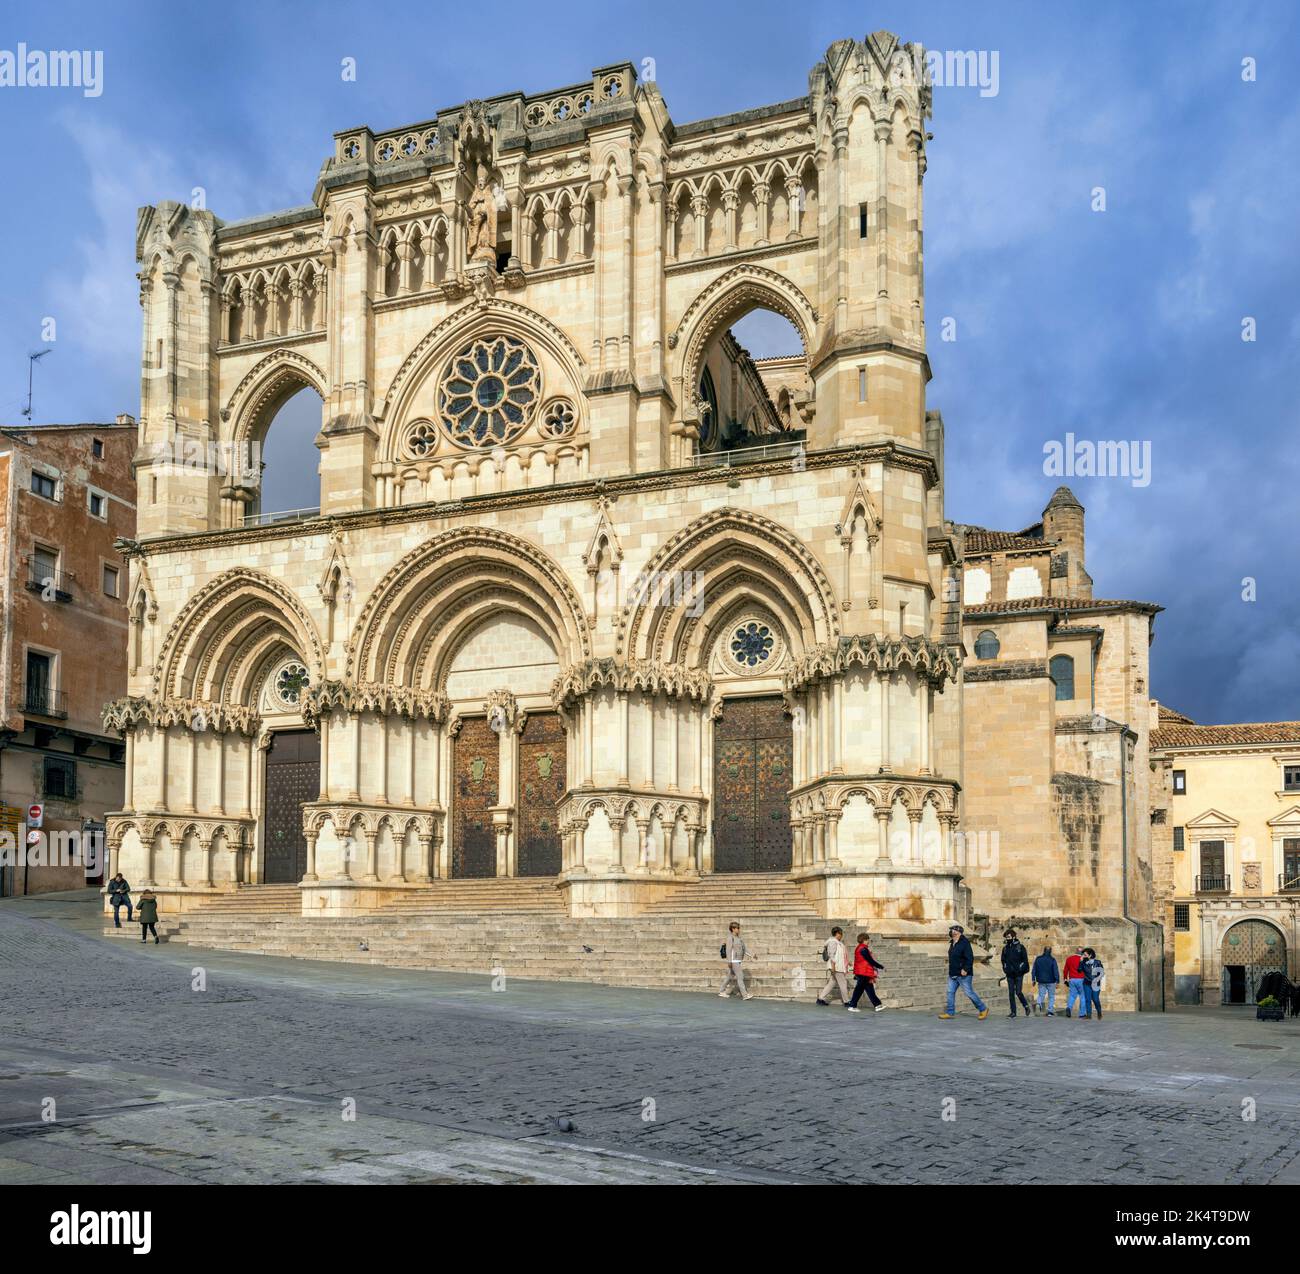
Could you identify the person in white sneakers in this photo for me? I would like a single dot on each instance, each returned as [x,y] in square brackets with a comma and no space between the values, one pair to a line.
[733,953]
[836,956]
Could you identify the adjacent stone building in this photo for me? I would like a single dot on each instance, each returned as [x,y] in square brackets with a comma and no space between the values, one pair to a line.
[591,594]
[68,493]
[1234,816]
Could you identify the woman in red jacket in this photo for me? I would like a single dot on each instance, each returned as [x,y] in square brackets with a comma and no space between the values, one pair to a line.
[865,968]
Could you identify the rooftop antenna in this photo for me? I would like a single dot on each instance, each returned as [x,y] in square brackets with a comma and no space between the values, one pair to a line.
[32,360]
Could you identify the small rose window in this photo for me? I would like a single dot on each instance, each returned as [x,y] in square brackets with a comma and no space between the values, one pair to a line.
[489,392]
[290,682]
[751,644]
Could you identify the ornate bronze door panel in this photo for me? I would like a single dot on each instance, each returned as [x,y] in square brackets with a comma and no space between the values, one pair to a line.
[541,789]
[753,757]
[477,774]
[1251,948]
[292,777]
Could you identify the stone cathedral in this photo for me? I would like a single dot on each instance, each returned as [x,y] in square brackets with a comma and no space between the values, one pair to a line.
[592,595]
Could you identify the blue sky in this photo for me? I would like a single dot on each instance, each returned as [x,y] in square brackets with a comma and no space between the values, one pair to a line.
[1115,325]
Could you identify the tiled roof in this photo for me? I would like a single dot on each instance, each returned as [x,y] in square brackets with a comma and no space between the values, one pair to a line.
[1081,604]
[1173,716]
[981,540]
[1213,736]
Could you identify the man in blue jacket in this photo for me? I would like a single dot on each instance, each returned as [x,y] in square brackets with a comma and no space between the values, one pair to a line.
[961,973]
[1045,977]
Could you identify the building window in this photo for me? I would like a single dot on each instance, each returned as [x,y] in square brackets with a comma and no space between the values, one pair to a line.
[862,221]
[97,504]
[1180,782]
[862,384]
[1290,864]
[44,486]
[1182,917]
[987,645]
[1291,778]
[60,778]
[1178,839]
[97,448]
[1213,876]
[110,582]
[1061,669]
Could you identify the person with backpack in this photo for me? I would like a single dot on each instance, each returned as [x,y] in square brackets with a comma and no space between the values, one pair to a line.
[1015,964]
[733,954]
[148,915]
[961,973]
[1044,977]
[835,955]
[865,968]
[1093,972]
[119,896]
[1074,981]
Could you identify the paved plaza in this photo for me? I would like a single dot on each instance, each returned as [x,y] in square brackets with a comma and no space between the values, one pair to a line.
[253,1079]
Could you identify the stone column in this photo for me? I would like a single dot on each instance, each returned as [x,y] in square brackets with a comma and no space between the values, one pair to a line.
[914,818]
[128,778]
[762,194]
[428,864]
[354,792]
[178,861]
[205,844]
[730,201]
[383,758]
[882,819]
[642,864]
[310,873]
[833,836]
[372,855]
[700,209]
[221,774]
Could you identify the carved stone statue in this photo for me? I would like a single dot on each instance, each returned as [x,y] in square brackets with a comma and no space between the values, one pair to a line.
[481,236]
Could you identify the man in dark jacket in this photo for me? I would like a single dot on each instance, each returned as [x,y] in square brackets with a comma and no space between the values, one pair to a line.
[1045,977]
[119,896]
[961,973]
[1015,964]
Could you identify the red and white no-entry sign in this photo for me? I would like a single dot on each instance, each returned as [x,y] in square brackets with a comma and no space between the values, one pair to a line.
[36,815]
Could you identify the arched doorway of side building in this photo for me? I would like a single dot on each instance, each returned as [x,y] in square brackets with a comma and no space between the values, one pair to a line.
[1251,948]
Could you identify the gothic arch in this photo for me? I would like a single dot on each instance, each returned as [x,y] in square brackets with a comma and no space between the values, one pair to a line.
[228,628]
[728,298]
[471,320]
[265,389]
[736,554]
[422,609]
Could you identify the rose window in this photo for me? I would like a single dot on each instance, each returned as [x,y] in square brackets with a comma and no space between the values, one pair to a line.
[751,644]
[559,418]
[290,682]
[421,439]
[489,392]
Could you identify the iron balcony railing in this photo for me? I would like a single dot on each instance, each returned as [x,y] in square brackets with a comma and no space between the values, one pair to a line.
[49,583]
[1288,883]
[287,515]
[41,701]
[1213,884]
[795,451]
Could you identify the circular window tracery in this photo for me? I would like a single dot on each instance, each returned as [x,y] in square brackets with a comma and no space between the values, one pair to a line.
[421,439]
[489,392]
[290,684]
[559,419]
[752,645]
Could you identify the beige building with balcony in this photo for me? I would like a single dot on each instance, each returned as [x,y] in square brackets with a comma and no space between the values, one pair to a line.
[1234,813]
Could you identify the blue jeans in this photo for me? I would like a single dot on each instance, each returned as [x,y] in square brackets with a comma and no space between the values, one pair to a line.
[1047,989]
[967,984]
[1093,998]
[117,906]
[1076,993]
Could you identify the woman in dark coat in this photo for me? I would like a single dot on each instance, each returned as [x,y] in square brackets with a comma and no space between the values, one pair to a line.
[147,913]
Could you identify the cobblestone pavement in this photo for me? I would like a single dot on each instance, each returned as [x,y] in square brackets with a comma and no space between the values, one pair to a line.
[247,1080]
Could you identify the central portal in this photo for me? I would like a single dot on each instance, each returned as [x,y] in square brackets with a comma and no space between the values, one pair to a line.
[292,777]
[753,759]
[477,771]
[541,789]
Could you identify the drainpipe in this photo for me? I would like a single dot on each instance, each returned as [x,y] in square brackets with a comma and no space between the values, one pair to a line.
[1123,836]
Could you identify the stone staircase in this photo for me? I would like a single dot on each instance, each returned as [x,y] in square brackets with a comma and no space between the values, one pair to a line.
[520,929]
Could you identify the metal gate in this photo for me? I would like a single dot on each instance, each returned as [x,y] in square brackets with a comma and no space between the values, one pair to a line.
[753,759]
[541,789]
[292,778]
[1251,948]
[477,780]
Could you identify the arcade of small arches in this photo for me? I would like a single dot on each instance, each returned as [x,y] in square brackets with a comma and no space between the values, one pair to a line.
[469,731]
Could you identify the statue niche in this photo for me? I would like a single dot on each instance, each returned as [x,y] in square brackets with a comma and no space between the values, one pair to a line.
[481,216]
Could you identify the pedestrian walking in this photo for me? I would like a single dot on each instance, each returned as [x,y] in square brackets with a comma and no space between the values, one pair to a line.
[1093,972]
[865,968]
[836,956]
[119,896]
[1045,976]
[1015,964]
[1074,981]
[733,953]
[148,914]
[961,973]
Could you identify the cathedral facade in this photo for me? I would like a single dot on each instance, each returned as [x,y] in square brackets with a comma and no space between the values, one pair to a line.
[591,594]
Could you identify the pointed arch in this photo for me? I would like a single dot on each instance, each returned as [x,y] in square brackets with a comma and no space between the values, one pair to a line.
[227,631]
[268,385]
[730,554]
[421,611]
